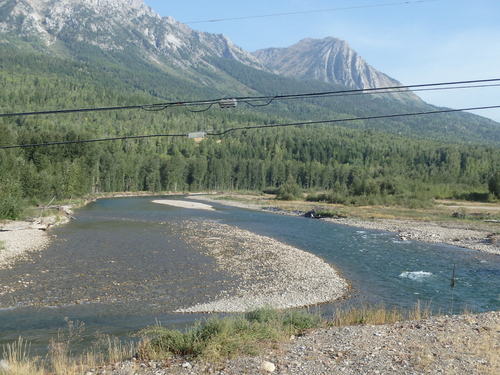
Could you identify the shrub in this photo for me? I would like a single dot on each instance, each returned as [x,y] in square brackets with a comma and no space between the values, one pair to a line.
[494,184]
[220,338]
[289,190]
[11,202]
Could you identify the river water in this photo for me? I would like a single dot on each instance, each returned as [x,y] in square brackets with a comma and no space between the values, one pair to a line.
[122,265]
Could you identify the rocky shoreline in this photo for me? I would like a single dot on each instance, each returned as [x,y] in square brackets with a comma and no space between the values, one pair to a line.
[270,273]
[431,232]
[19,238]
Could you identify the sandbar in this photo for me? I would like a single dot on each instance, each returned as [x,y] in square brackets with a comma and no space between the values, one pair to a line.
[185,204]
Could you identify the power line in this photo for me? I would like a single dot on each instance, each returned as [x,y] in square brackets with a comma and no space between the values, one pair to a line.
[382,91]
[250,127]
[351,119]
[269,98]
[379,5]
[95,140]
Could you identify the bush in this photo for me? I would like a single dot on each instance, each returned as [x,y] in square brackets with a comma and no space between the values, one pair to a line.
[494,184]
[216,339]
[11,202]
[263,315]
[289,190]
[299,321]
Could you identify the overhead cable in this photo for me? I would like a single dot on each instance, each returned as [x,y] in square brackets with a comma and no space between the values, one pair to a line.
[249,127]
[378,5]
[223,102]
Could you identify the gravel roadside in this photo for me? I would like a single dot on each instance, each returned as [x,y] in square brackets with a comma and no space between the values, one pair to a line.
[452,345]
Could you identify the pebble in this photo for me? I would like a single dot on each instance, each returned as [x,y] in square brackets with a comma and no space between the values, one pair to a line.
[268,366]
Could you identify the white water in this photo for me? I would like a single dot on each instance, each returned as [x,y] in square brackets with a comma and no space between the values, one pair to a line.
[416,275]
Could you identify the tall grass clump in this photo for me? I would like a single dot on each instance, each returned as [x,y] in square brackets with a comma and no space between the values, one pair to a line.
[16,360]
[217,338]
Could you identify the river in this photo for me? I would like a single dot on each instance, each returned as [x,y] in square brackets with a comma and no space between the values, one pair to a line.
[122,265]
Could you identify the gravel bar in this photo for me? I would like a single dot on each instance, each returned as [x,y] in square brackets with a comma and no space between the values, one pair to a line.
[270,273]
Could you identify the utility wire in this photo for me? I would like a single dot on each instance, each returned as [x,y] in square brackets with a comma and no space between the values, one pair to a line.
[268,99]
[378,5]
[382,91]
[95,140]
[250,127]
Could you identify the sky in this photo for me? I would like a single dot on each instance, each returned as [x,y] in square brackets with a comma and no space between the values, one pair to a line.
[430,41]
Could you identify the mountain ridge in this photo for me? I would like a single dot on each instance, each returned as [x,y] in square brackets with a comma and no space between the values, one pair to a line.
[114,25]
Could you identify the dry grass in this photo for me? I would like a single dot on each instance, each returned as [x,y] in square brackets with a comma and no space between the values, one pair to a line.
[17,359]
[367,315]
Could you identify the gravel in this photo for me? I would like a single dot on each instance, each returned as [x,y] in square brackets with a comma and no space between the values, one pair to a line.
[452,345]
[270,273]
[17,243]
[19,238]
[429,232]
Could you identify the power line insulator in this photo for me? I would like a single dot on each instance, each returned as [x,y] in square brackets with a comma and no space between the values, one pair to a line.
[197,135]
[228,103]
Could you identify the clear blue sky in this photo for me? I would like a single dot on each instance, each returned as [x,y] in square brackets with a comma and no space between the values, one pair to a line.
[443,40]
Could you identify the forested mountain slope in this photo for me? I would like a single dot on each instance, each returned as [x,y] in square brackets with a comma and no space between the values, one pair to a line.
[60,62]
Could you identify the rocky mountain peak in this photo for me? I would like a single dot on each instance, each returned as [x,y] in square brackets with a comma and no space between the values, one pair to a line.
[329,60]
[118,25]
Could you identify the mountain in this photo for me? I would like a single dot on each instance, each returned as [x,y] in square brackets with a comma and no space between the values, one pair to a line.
[118,26]
[124,46]
[328,60]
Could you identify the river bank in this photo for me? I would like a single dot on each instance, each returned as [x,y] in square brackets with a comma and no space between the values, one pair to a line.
[19,238]
[484,238]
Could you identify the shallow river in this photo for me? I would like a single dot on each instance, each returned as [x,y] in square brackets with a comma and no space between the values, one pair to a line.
[122,265]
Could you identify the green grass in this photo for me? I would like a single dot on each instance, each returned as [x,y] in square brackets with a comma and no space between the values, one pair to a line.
[2,245]
[217,339]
